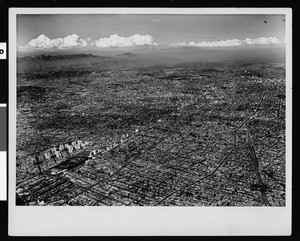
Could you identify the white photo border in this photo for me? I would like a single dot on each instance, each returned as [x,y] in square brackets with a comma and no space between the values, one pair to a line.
[146,221]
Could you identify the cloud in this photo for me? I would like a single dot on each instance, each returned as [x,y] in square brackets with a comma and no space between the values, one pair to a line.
[74,40]
[231,42]
[118,41]
[43,42]
[156,20]
[262,40]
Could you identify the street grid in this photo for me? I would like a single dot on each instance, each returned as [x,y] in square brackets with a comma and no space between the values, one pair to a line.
[211,140]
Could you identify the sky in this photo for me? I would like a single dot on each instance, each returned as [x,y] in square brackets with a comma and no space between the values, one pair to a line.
[104,31]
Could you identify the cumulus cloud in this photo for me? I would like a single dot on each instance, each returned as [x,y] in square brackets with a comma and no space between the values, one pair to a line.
[74,40]
[262,40]
[231,42]
[118,41]
[43,42]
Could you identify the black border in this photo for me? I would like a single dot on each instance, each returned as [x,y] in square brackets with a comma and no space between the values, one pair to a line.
[4,9]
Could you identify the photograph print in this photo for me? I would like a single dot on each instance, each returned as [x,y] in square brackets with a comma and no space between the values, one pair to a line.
[151,110]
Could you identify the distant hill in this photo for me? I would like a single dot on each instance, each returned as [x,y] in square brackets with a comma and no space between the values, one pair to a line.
[57,57]
[60,65]
[92,61]
[128,55]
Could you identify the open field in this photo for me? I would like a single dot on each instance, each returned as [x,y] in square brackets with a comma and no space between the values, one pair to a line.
[193,134]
